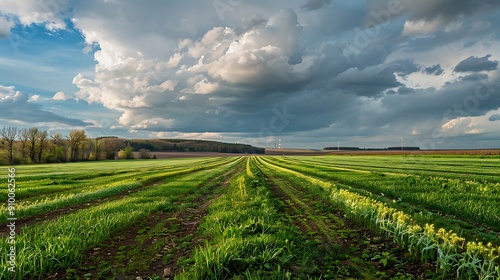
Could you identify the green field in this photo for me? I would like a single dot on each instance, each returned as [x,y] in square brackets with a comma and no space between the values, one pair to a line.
[266,217]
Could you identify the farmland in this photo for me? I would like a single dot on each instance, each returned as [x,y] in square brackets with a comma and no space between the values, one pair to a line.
[258,217]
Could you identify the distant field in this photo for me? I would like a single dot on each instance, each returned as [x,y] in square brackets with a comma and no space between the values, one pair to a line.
[258,217]
[381,152]
[186,154]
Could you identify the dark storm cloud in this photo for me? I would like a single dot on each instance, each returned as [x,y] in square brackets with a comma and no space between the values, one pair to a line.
[432,9]
[370,82]
[333,21]
[449,9]
[403,67]
[321,70]
[405,90]
[433,70]
[495,117]
[476,64]
[461,98]
[374,81]
[316,4]
[475,77]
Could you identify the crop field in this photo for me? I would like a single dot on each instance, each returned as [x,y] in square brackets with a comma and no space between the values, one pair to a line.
[256,217]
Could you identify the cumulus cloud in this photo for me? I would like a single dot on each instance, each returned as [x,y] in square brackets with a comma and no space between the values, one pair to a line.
[460,126]
[49,13]
[476,64]
[6,91]
[19,106]
[34,98]
[234,78]
[224,65]
[258,70]
[61,96]
[5,26]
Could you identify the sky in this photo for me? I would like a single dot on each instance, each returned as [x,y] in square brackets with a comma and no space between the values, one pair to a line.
[306,73]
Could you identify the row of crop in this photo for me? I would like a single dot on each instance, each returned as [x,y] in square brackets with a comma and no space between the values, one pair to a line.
[487,169]
[67,181]
[470,200]
[76,170]
[97,190]
[469,182]
[60,243]
[64,183]
[452,254]
[246,238]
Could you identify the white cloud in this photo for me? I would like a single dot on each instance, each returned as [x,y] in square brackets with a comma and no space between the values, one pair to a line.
[167,66]
[421,26]
[141,86]
[20,107]
[204,87]
[462,126]
[156,122]
[61,96]
[34,98]
[49,13]
[180,135]
[5,26]
[6,91]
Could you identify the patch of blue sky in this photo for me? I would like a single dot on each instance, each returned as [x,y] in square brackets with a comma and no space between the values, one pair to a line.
[35,58]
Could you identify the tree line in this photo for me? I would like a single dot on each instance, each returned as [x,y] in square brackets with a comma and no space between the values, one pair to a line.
[184,145]
[32,145]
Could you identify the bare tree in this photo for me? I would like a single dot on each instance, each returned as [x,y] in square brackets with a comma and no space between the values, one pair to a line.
[84,145]
[32,137]
[56,138]
[98,144]
[9,135]
[76,138]
[112,146]
[23,138]
[144,154]
[42,143]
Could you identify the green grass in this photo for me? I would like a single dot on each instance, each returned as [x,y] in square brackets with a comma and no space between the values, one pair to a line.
[247,237]
[472,199]
[72,189]
[438,208]
[451,252]
[60,243]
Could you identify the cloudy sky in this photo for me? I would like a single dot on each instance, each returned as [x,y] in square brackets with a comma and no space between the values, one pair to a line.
[309,72]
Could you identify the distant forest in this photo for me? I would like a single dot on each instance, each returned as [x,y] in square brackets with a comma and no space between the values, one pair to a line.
[182,145]
[32,145]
